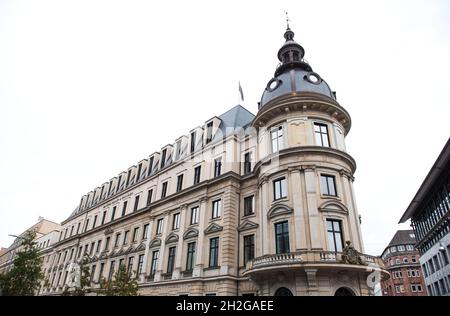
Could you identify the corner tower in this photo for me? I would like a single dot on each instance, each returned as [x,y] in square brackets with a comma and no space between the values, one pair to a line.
[309,222]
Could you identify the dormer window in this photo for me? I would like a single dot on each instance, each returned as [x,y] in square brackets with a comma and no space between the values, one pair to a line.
[193,138]
[138,175]
[163,158]
[128,178]
[118,183]
[209,127]
[150,166]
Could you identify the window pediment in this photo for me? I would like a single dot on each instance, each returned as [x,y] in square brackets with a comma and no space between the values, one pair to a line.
[279,209]
[171,238]
[333,207]
[190,233]
[213,228]
[247,225]
[155,243]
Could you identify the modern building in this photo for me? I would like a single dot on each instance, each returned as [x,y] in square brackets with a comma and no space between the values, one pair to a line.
[401,259]
[42,229]
[242,205]
[429,212]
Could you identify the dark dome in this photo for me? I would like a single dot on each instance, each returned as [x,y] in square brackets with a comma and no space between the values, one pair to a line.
[294,74]
[295,81]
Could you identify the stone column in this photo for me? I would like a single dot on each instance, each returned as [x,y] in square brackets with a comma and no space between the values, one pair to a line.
[199,258]
[299,214]
[353,216]
[315,222]
[159,269]
[264,206]
[178,262]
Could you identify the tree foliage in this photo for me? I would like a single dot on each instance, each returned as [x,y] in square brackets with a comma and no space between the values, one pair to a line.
[122,284]
[26,274]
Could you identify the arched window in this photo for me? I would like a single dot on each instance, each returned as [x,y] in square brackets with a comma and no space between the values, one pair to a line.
[343,291]
[282,291]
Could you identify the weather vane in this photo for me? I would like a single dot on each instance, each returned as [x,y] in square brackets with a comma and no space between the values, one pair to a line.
[287,19]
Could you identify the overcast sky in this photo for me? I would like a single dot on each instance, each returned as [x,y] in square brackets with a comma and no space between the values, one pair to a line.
[89,88]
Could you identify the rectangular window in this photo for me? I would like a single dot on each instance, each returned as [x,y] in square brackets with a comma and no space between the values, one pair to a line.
[111,270]
[248,205]
[140,264]
[136,203]
[334,232]
[176,221]
[128,178]
[164,190]
[159,226]
[138,174]
[217,167]
[193,141]
[130,265]
[113,214]
[149,196]
[197,174]
[321,132]
[107,243]
[216,205]
[124,208]
[178,154]
[209,132]
[190,256]
[247,164]
[171,259]
[109,187]
[104,217]
[154,264]
[279,189]
[116,243]
[179,183]
[327,185]
[99,243]
[150,166]
[214,252]
[282,237]
[71,231]
[71,254]
[94,267]
[94,222]
[194,215]
[78,227]
[163,158]
[87,225]
[145,231]
[125,237]
[118,183]
[135,233]
[277,139]
[100,274]
[249,248]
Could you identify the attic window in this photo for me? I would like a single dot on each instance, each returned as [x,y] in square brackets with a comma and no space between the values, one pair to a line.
[209,132]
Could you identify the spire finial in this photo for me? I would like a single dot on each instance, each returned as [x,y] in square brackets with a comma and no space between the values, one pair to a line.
[287,19]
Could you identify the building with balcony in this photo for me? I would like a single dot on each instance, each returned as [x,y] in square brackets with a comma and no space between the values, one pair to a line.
[243,204]
[429,212]
[401,259]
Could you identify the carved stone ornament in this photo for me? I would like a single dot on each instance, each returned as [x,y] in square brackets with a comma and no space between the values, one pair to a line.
[350,255]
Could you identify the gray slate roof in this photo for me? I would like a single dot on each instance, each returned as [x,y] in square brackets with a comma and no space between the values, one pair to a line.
[403,237]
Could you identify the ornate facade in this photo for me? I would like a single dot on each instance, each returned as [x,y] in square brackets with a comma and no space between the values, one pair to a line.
[242,205]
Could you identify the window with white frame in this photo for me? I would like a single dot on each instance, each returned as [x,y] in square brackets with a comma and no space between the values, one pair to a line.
[279,189]
[176,221]
[216,205]
[277,138]
[194,215]
[159,226]
[321,132]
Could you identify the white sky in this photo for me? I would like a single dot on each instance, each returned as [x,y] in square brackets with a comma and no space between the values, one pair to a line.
[88,88]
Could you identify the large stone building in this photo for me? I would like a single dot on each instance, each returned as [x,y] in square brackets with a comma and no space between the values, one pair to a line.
[401,259]
[429,212]
[241,205]
[44,229]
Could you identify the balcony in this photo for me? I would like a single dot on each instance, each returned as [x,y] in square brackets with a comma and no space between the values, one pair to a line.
[312,260]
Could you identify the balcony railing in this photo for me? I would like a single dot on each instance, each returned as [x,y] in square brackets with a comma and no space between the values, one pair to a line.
[308,257]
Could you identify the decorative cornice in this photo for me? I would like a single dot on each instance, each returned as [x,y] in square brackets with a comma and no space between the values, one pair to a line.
[333,207]
[190,233]
[172,238]
[213,228]
[155,243]
[247,225]
[278,209]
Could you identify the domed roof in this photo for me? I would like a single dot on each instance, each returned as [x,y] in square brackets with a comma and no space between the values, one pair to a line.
[294,74]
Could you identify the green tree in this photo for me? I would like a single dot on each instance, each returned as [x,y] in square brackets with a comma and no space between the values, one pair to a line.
[26,274]
[122,284]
